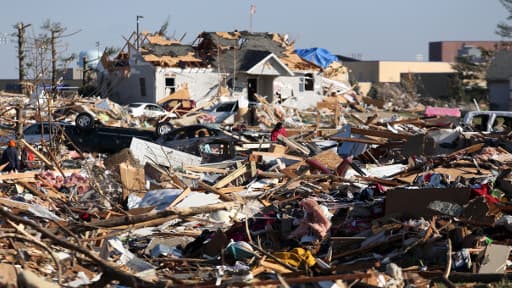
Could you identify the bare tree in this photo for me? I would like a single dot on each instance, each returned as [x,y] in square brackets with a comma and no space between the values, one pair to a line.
[503,28]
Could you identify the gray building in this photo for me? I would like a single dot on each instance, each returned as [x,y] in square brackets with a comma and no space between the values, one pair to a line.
[499,77]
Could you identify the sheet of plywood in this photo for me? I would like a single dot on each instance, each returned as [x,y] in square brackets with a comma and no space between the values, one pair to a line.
[145,151]
[495,259]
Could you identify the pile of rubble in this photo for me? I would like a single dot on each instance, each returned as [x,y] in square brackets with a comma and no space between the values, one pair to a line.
[379,202]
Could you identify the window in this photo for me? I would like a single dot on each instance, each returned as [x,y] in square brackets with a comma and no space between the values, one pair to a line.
[226,107]
[170,85]
[307,83]
[33,130]
[142,85]
[479,122]
[502,124]
[153,108]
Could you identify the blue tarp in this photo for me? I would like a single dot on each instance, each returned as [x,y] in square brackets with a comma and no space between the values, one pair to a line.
[319,56]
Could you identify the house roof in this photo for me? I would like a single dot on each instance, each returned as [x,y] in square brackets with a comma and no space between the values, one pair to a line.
[173,50]
[239,60]
[171,55]
[226,51]
[501,66]
[215,44]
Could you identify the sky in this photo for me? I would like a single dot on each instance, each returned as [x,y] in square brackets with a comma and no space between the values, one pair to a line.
[394,30]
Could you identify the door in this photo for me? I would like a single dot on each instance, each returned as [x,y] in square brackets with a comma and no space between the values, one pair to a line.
[252,89]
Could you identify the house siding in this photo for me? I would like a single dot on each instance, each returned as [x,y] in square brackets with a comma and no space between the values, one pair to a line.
[202,83]
[127,90]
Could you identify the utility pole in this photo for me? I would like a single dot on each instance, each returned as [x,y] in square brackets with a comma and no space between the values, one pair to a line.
[21,54]
[84,70]
[21,77]
[138,21]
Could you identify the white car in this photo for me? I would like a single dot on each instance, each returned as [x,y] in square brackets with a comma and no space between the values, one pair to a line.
[147,109]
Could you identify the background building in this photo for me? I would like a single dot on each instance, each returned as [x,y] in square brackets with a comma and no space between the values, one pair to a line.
[448,51]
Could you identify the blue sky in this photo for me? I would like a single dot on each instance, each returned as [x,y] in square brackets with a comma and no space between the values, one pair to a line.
[374,29]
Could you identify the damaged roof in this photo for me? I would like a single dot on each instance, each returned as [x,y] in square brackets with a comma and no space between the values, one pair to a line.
[161,51]
[226,51]
[173,50]
[214,44]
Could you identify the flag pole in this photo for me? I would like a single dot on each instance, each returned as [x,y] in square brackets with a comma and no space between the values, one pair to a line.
[252,13]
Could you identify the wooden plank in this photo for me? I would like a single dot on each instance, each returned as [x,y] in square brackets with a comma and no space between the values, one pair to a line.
[294,145]
[379,133]
[17,176]
[32,189]
[180,197]
[230,177]
[212,189]
[329,158]
[253,168]
[361,121]
[202,169]
[37,154]
[14,204]
[277,155]
[467,150]
[265,174]
[232,189]
[358,140]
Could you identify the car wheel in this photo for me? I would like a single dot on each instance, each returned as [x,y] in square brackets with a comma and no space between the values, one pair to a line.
[163,128]
[84,120]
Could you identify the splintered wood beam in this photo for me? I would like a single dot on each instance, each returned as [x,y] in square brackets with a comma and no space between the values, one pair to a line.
[202,169]
[293,145]
[212,189]
[379,133]
[38,155]
[358,140]
[467,150]
[180,197]
[230,177]
[277,155]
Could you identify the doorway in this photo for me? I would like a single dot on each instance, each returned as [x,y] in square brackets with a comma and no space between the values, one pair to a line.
[252,89]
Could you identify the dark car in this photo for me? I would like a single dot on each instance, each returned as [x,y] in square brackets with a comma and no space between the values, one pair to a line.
[106,139]
[90,136]
[209,143]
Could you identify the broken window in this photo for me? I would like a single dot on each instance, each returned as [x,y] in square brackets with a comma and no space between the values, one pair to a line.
[170,85]
[307,83]
[479,123]
[226,107]
[310,82]
[142,86]
[502,124]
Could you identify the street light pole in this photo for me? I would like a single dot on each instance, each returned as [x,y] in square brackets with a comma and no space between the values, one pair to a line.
[138,21]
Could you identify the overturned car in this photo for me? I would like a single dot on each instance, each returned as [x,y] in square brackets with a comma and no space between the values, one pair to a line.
[211,144]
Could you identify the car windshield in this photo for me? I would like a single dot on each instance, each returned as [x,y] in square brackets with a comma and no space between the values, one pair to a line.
[134,105]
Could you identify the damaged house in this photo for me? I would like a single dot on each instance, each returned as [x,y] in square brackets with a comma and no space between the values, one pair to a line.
[238,65]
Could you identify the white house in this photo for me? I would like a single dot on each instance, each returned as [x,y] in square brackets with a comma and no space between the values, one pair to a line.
[244,63]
